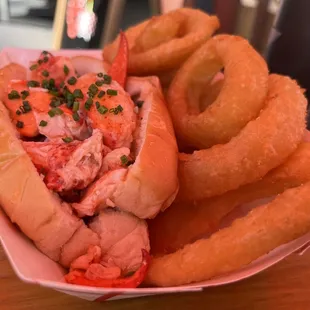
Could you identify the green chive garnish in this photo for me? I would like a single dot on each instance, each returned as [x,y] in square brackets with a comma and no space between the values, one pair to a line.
[99,83]
[33,84]
[67,139]
[97,104]
[62,84]
[116,110]
[44,52]
[107,79]
[40,61]
[66,70]
[88,103]
[43,123]
[19,124]
[45,73]
[55,111]
[76,106]
[18,112]
[14,95]
[100,74]
[72,80]
[54,93]
[77,93]
[25,94]
[93,89]
[124,159]
[52,82]
[101,94]
[102,109]
[45,59]
[26,106]
[112,92]
[76,116]
[33,67]
[55,103]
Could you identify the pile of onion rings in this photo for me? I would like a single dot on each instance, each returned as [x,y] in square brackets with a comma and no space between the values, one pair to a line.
[246,128]
[241,137]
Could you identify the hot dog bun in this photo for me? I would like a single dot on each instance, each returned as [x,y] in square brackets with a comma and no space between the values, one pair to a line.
[26,199]
[151,183]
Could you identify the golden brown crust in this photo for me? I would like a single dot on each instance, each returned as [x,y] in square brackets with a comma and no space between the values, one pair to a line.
[263,229]
[263,144]
[194,220]
[151,183]
[194,27]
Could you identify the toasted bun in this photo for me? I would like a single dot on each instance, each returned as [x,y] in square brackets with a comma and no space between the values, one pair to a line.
[10,72]
[26,199]
[151,183]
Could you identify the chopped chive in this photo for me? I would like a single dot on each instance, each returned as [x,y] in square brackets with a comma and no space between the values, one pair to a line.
[99,83]
[97,105]
[124,159]
[77,93]
[52,82]
[116,110]
[45,73]
[58,111]
[102,109]
[44,52]
[55,103]
[45,59]
[88,103]
[107,79]
[25,94]
[101,93]
[26,106]
[33,67]
[67,139]
[62,84]
[100,74]
[66,70]
[43,123]
[19,124]
[33,84]
[93,89]
[40,61]
[72,80]
[18,112]
[112,92]
[51,113]
[55,111]
[139,103]
[76,106]
[14,95]
[45,84]
[54,93]
[76,116]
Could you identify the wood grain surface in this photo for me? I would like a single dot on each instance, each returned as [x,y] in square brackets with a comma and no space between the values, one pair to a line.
[284,286]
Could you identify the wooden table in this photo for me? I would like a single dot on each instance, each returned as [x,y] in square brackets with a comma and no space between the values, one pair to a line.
[284,286]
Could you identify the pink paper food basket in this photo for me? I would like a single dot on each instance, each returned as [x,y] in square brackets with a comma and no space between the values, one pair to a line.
[31,266]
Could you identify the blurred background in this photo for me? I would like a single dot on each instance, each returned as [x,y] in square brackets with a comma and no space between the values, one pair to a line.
[41,23]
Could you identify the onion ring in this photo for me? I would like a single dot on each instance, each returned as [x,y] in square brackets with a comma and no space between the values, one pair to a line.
[241,99]
[163,42]
[266,227]
[262,145]
[195,220]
